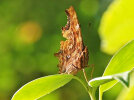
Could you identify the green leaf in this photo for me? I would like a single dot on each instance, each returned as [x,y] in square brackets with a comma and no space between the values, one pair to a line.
[121,62]
[99,81]
[127,93]
[124,78]
[42,86]
[116,27]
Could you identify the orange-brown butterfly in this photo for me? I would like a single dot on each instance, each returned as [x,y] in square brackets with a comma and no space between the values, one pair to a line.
[73,55]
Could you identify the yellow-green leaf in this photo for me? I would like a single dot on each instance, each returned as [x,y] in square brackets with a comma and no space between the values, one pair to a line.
[126,94]
[117,25]
[42,86]
[122,61]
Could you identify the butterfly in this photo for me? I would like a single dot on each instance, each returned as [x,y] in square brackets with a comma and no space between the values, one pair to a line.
[73,55]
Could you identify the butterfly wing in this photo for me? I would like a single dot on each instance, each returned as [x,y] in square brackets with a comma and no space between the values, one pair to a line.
[73,55]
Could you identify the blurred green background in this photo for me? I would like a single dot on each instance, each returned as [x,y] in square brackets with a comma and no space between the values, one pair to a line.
[30,33]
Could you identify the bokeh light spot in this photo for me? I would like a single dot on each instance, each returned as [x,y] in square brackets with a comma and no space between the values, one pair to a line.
[30,32]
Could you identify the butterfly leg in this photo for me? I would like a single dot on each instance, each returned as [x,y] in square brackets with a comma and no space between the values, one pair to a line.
[92,66]
[92,71]
[85,75]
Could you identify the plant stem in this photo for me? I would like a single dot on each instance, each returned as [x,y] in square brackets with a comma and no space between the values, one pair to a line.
[91,92]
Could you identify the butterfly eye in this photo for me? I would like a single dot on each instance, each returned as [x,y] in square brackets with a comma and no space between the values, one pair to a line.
[67,57]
